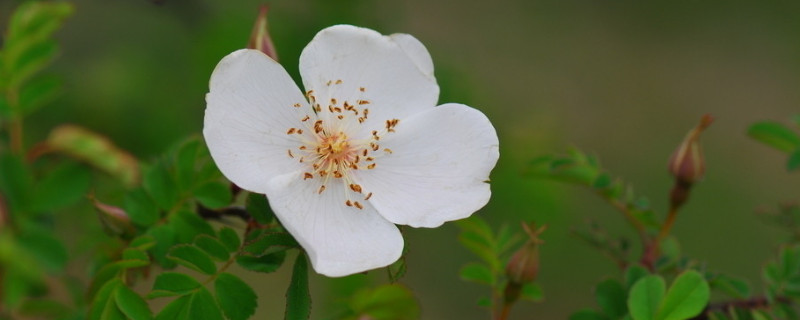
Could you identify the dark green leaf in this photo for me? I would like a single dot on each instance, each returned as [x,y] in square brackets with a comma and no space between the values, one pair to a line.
[269,241]
[212,246]
[794,160]
[230,239]
[478,273]
[266,264]
[204,307]
[612,298]
[28,57]
[298,298]
[192,258]
[645,297]
[16,181]
[63,186]
[161,186]
[235,297]
[775,135]
[532,292]
[185,163]
[43,308]
[387,302]
[178,309]
[170,284]
[259,209]
[49,251]
[132,305]
[633,274]
[165,239]
[141,208]
[588,315]
[602,181]
[736,288]
[96,150]
[143,242]
[214,194]
[102,299]
[187,225]
[686,298]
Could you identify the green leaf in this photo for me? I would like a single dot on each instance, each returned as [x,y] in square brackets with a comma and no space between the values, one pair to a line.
[16,182]
[532,292]
[199,305]
[103,298]
[132,305]
[134,254]
[794,160]
[269,241]
[49,251]
[236,298]
[43,309]
[185,163]
[266,263]
[588,314]
[161,186]
[298,298]
[686,298]
[169,284]
[143,242]
[775,135]
[212,246]
[735,288]
[95,150]
[387,302]
[192,258]
[165,239]
[38,92]
[178,309]
[27,57]
[645,296]
[633,274]
[141,208]
[230,239]
[611,297]
[258,208]
[477,273]
[187,225]
[214,195]
[65,185]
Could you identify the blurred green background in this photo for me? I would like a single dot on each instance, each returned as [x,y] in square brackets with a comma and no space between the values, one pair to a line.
[623,80]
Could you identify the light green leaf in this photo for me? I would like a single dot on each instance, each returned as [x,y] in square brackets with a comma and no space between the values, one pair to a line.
[132,305]
[645,297]
[169,284]
[478,273]
[611,297]
[775,135]
[192,258]
[236,298]
[230,239]
[212,246]
[204,307]
[298,298]
[38,92]
[532,292]
[686,298]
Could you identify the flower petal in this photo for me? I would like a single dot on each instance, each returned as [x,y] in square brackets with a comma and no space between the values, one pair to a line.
[249,110]
[340,240]
[438,167]
[394,72]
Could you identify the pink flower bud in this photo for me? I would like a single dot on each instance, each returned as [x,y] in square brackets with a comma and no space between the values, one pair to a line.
[259,38]
[524,264]
[687,164]
[115,220]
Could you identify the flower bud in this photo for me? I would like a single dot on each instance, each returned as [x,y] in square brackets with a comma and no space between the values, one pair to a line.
[115,220]
[687,164]
[524,264]
[259,38]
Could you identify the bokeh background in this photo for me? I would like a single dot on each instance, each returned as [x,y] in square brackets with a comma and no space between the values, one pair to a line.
[623,80]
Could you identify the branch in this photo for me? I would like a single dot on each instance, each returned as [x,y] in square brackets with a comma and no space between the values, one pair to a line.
[749,304]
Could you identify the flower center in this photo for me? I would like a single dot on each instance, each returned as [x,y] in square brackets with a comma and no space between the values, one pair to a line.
[328,149]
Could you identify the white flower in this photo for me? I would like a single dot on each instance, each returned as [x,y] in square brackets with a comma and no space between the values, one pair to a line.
[363,149]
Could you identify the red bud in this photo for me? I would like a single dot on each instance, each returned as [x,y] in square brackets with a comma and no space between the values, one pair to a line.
[259,38]
[687,164]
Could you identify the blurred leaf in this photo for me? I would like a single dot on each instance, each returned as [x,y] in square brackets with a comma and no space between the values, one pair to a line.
[214,195]
[141,208]
[532,292]
[38,92]
[165,239]
[259,209]
[266,263]
[760,315]
[212,246]
[169,284]
[49,251]
[43,308]
[633,274]
[387,302]
[230,239]
[187,225]
[95,150]
[237,300]
[612,298]
[193,258]
[588,314]
[16,181]
[794,160]
[645,297]
[670,252]
[775,135]
[477,273]
[103,298]
[63,186]
[132,305]
[298,298]
[135,254]
[735,288]
[185,163]
[143,242]
[477,236]
[686,298]
[37,19]
[397,270]
[161,186]
[178,309]
[199,305]
[26,57]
